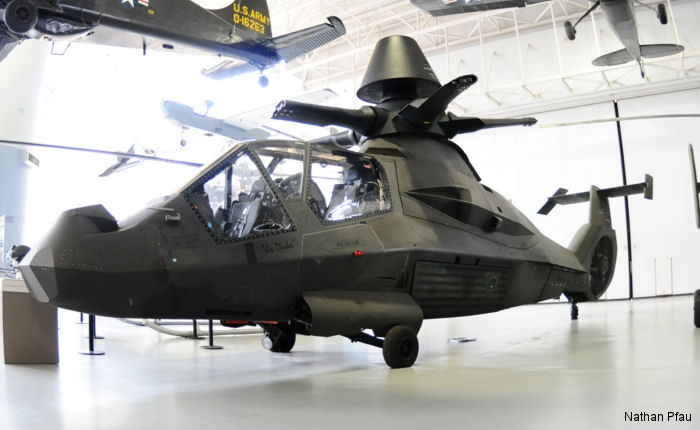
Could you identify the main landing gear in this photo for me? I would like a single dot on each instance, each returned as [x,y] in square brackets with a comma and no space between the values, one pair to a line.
[661,14]
[399,346]
[21,16]
[570,29]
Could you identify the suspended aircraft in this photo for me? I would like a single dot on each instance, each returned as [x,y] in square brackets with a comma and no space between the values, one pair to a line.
[237,29]
[308,238]
[253,124]
[622,19]
[446,7]
[620,15]
[126,161]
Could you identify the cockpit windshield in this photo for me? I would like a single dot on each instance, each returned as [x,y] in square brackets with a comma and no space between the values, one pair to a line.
[345,185]
[242,195]
[234,199]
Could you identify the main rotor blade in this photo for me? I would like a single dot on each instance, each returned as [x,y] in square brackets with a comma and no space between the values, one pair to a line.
[424,115]
[102,152]
[625,118]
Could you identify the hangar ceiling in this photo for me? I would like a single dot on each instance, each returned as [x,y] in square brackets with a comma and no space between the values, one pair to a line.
[521,56]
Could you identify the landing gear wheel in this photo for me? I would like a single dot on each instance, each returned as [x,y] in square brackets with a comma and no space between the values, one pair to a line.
[570,30]
[697,308]
[279,338]
[400,347]
[661,14]
[21,16]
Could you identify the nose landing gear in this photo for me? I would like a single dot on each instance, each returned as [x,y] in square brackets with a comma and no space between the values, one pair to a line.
[278,337]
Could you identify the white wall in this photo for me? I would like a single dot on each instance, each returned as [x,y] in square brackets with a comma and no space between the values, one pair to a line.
[528,164]
[665,238]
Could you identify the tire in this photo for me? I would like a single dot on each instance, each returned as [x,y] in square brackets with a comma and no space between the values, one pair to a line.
[661,14]
[279,337]
[570,30]
[400,347]
[21,16]
[285,342]
[697,308]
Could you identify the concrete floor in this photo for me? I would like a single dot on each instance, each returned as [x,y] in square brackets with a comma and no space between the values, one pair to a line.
[530,367]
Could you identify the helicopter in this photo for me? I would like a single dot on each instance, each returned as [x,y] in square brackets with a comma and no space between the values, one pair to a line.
[310,238]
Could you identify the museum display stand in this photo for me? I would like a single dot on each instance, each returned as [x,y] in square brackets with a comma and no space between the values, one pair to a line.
[30,328]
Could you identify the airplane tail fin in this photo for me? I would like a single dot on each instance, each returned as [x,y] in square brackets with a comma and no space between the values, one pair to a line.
[614,58]
[660,50]
[595,244]
[282,48]
[648,51]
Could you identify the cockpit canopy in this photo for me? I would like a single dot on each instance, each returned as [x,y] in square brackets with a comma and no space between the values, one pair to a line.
[243,194]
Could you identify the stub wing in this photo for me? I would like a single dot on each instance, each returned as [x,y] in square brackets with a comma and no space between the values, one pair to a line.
[281,48]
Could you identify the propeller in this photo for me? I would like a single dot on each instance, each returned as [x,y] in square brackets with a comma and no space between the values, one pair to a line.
[424,115]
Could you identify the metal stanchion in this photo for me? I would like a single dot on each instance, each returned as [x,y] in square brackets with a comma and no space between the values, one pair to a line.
[91,338]
[195,335]
[211,338]
[93,331]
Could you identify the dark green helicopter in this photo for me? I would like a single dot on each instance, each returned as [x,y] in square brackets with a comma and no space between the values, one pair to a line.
[310,238]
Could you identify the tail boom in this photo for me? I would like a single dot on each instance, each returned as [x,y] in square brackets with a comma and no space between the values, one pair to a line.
[595,243]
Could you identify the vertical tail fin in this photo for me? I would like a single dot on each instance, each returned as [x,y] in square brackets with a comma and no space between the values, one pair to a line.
[595,244]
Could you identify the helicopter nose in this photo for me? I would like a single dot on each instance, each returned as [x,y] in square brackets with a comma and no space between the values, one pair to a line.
[38,271]
[62,255]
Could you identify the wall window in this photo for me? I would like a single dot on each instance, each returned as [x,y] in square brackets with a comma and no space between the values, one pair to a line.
[345,185]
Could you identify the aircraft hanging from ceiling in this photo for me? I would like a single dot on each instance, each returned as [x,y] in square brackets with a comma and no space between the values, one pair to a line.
[238,29]
[309,238]
[245,126]
[451,7]
[619,14]
[622,19]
